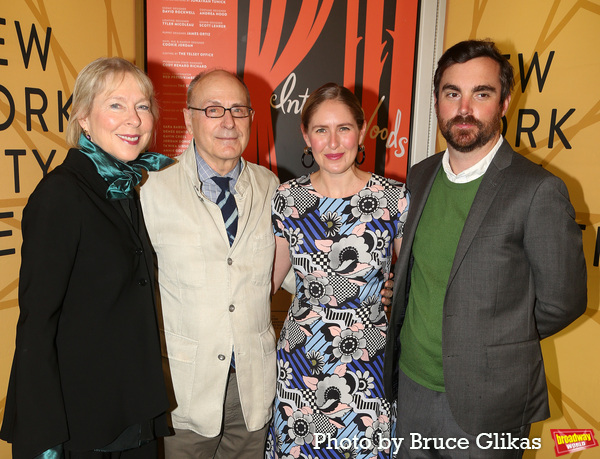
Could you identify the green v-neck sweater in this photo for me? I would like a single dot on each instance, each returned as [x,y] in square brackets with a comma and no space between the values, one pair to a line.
[434,247]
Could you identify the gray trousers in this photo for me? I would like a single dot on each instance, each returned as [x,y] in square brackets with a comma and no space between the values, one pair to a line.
[234,441]
[428,429]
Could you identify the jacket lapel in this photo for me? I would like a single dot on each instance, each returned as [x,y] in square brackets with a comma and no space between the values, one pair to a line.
[490,184]
[423,181]
[189,167]
[243,197]
[418,197]
[82,166]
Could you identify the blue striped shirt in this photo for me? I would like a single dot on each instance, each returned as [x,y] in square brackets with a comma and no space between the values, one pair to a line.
[205,174]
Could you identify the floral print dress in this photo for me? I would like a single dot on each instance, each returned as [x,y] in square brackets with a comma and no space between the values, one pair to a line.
[330,400]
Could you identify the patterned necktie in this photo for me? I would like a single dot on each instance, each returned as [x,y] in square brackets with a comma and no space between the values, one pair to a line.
[226,203]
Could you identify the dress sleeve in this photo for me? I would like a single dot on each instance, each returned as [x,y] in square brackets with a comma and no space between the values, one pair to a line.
[35,418]
[278,211]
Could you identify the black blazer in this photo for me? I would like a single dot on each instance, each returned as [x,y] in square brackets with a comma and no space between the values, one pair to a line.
[518,276]
[87,363]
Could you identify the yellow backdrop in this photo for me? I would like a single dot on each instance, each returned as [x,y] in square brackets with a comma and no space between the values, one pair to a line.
[43,45]
[36,79]
[563,99]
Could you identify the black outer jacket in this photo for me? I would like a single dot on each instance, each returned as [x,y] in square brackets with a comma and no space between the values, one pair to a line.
[87,363]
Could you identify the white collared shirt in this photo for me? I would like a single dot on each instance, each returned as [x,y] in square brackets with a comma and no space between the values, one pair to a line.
[473,172]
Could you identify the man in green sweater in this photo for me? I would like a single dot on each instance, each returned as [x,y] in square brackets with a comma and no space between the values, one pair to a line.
[491,263]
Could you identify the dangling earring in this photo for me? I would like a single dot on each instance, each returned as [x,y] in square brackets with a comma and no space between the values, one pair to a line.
[361,149]
[308,153]
[87,134]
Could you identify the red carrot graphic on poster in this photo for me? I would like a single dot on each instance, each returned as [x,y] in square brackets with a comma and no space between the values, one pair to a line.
[375,55]
[263,72]
[401,85]
[398,48]
[285,50]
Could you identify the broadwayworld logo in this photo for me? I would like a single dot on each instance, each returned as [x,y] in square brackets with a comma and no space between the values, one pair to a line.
[572,440]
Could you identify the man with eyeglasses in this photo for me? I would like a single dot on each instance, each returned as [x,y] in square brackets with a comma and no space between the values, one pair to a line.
[209,220]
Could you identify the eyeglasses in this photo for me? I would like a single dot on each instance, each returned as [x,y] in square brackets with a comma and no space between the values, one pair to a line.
[216,111]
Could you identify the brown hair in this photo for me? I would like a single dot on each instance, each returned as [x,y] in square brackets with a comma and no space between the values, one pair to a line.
[471,49]
[332,91]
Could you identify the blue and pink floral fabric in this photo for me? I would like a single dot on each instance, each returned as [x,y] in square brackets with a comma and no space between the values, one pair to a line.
[330,351]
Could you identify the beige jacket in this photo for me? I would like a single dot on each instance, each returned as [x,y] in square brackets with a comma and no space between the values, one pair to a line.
[214,297]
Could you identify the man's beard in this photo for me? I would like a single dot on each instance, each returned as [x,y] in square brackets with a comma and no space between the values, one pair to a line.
[465,140]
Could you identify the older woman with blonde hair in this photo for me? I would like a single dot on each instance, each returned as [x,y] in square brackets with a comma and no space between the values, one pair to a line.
[87,380]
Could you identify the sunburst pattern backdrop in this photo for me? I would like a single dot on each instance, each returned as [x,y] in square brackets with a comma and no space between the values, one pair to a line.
[43,45]
[554,120]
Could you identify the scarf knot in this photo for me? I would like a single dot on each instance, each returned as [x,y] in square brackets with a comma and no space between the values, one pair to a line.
[122,177]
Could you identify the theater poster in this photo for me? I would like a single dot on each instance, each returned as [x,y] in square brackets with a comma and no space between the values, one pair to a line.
[284,50]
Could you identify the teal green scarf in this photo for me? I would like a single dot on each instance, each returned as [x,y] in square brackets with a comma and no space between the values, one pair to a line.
[53,453]
[121,177]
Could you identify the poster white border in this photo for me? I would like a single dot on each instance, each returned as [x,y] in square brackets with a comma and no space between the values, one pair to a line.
[430,44]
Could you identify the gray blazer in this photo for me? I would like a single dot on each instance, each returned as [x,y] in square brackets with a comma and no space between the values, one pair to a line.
[518,276]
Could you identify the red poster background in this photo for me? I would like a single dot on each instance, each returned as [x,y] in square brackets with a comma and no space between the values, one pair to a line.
[284,50]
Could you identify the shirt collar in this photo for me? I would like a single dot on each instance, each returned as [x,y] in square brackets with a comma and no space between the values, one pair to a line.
[205,172]
[473,172]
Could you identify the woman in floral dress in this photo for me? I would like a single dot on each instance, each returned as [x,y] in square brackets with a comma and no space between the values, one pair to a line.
[337,227]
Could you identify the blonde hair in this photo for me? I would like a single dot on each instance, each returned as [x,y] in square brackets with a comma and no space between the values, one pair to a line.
[93,80]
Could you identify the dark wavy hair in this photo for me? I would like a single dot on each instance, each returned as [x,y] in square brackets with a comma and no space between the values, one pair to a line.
[471,49]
